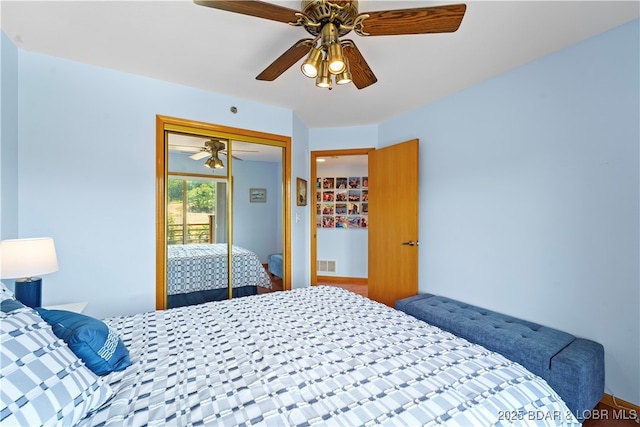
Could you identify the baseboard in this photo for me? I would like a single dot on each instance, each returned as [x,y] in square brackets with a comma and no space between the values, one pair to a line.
[615,402]
[343,280]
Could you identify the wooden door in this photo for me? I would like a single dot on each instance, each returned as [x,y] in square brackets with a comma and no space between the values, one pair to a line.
[393,222]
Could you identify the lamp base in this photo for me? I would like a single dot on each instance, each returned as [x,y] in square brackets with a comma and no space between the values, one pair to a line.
[29,291]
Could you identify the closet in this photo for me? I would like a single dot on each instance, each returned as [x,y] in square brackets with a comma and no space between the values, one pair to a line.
[220,191]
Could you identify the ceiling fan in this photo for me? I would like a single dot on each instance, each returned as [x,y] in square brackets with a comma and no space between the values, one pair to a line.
[212,148]
[327,21]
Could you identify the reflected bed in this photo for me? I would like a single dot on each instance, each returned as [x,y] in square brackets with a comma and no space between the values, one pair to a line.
[198,273]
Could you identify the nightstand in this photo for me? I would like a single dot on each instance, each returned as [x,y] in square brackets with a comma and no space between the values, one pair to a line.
[76,307]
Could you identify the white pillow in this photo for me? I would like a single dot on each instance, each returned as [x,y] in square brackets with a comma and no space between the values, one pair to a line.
[42,382]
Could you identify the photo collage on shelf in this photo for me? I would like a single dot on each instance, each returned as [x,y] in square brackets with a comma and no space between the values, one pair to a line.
[342,202]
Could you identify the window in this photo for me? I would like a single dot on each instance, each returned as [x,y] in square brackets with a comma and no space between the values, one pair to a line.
[191,210]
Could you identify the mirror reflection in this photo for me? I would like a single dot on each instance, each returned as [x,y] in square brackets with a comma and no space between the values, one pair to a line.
[204,224]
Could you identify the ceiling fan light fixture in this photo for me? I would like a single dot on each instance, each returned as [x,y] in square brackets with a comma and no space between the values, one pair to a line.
[328,20]
[324,78]
[329,34]
[214,162]
[336,59]
[344,77]
[311,65]
[217,163]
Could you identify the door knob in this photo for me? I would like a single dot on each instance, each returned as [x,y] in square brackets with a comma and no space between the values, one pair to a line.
[409,243]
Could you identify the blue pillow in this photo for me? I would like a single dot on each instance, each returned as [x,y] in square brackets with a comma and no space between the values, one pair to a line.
[99,347]
[9,305]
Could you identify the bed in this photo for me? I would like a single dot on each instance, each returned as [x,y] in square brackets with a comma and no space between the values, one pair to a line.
[312,356]
[198,273]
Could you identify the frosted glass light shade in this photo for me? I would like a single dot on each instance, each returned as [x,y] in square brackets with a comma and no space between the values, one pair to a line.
[27,257]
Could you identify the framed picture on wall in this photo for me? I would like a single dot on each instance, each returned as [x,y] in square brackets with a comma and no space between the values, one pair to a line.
[257,195]
[301,192]
[342,202]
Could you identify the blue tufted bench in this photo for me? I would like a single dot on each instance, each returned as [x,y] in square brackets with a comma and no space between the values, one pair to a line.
[275,265]
[573,367]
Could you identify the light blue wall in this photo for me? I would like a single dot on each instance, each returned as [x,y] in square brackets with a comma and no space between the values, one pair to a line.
[255,225]
[8,140]
[343,138]
[529,195]
[87,172]
[348,247]
[301,220]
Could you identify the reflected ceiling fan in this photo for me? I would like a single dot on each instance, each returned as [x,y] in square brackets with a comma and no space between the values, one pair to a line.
[211,149]
[327,21]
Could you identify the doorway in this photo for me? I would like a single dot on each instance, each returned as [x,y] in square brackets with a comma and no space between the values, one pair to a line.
[335,218]
[392,232]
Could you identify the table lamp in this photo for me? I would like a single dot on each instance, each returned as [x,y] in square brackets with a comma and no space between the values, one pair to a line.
[27,258]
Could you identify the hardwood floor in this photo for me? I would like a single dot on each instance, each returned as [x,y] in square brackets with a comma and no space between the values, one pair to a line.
[276,283]
[608,416]
[358,289]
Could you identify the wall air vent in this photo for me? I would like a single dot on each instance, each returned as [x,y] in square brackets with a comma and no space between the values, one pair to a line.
[326,266]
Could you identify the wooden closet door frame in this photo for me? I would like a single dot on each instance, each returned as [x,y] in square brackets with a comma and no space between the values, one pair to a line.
[312,200]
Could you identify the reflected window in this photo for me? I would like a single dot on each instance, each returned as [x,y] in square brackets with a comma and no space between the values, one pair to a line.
[191,211]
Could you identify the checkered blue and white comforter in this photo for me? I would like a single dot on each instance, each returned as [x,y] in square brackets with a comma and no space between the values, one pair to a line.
[201,267]
[314,356]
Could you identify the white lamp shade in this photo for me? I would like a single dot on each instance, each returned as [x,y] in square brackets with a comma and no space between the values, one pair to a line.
[27,257]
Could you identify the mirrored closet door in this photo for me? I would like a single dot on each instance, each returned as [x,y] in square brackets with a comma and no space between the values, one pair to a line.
[197,232]
[257,225]
[222,222]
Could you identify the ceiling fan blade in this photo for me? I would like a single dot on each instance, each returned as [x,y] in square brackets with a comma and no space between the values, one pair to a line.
[200,155]
[183,148]
[436,19]
[224,153]
[286,60]
[259,9]
[361,74]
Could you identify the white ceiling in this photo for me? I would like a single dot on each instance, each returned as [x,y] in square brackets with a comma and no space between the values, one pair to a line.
[222,52]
